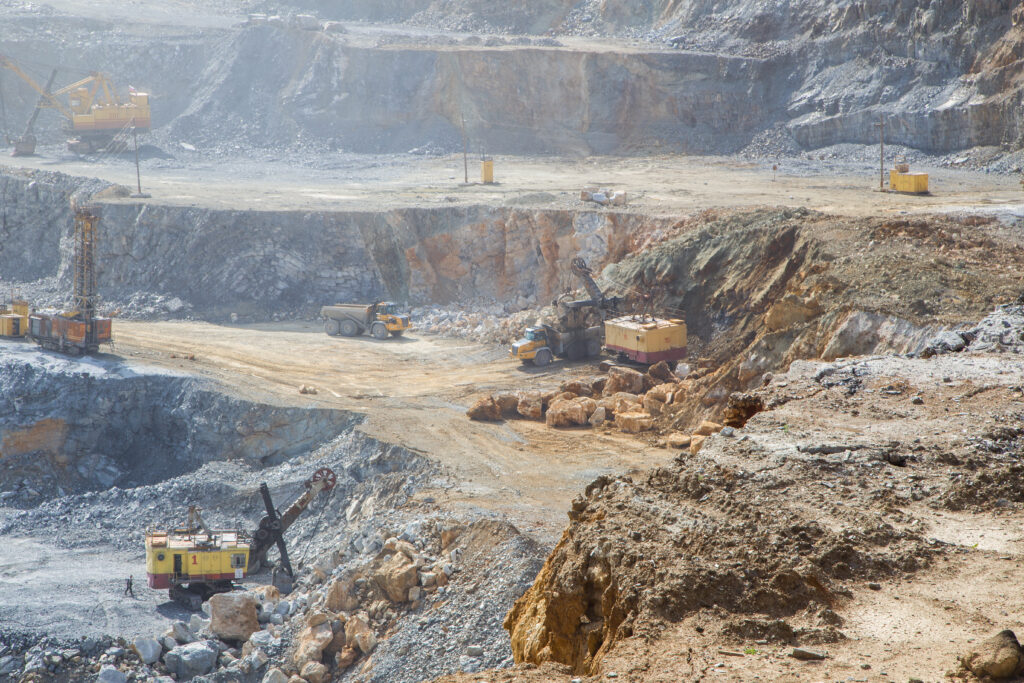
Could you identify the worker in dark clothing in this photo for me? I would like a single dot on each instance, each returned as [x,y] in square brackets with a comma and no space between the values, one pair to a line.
[128,587]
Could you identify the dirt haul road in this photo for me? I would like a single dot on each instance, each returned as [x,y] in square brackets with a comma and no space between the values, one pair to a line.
[414,392]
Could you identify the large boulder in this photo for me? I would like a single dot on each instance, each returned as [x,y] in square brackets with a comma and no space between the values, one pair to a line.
[314,672]
[311,642]
[149,649]
[652,404]
[234,616]
[624,380]
[507,402]
[566,414]
[191,660]
[634,422]
[661,372]
[341,596]
[109,674]
[707,428]
[275,675]
[485,409]
[396,576]
[621,403]
[999,657]
[358,634]
[531,405]
[577,387]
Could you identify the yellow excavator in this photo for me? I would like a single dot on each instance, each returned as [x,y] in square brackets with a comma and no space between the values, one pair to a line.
[94,112]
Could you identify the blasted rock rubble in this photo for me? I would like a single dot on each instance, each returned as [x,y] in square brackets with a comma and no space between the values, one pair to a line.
[446,616]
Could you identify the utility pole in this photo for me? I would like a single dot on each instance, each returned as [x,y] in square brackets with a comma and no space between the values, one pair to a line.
[465,149]
[881,153]
[138,176]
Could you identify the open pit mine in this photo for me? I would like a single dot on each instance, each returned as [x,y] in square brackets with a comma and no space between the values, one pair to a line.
[553,341]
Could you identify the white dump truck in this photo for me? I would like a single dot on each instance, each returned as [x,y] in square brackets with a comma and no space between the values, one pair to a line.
[380,319]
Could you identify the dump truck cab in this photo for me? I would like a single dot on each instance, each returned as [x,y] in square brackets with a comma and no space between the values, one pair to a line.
[388,313]
[534,347]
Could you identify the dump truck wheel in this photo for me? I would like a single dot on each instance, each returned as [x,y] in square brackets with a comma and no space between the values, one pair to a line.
[379,330]
[332,327]
[349,328]
[542,358]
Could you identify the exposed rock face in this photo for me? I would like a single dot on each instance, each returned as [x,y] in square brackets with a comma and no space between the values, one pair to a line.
[233,616]
[635,553]
[307,258]
[55,433]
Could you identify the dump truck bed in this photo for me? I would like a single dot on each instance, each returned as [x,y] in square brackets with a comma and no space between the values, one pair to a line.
[361,313]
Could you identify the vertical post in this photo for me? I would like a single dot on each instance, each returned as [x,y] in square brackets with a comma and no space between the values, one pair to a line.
[881,153]
[138,176]
[465,150]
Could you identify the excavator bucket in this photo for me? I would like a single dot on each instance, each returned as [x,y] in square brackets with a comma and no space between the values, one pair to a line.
[24,146]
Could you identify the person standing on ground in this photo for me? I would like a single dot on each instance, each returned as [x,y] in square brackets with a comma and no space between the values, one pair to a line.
[128,590]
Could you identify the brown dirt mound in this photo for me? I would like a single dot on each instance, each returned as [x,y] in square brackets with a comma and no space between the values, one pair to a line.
[690,537]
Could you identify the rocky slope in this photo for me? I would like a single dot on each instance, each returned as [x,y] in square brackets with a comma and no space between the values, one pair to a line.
[772,533]
[700,78]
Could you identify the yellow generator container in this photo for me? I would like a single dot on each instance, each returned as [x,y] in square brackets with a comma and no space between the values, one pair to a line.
[12,325]
[645,339]
[912,183]
[487,171]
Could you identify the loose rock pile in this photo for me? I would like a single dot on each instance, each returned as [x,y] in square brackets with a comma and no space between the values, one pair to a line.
[489,324]
[626,400]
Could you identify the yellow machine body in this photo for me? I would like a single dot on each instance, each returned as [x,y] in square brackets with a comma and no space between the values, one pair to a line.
[183,556]
[526,348]
[14,320]
[394,323]
[912,183]
[646,339]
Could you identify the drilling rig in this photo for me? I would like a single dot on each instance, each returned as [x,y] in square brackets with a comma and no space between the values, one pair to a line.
[80,330]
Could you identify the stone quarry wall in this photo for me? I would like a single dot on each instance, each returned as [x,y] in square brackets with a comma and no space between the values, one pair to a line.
[705,78]
[82,425]
[261,262]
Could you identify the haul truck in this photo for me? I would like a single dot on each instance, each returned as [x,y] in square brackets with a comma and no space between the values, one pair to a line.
[379,319]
